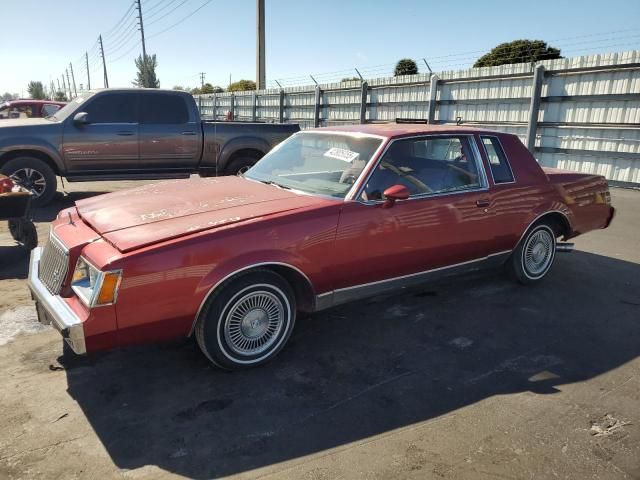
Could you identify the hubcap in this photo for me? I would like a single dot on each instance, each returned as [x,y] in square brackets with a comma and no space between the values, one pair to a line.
[254,322]
[30,179]
[538,252]
[242,171]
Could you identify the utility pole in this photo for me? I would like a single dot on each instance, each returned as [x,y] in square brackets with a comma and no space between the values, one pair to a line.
[86,59]
[104,63]
[202,74]
[53,90]
[69,84]
[64,87]
[144,47]
[75,92]
[260,63]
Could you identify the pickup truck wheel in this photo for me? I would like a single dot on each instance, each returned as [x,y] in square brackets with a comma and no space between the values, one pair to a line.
[34,175]
[248,321]
[534,256]
[240,165]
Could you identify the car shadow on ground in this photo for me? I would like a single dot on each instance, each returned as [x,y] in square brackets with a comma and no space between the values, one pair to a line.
[14,259]
[362,370]
[60,202]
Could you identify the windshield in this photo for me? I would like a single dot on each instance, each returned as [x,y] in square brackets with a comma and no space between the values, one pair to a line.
[71,107]
[319,163]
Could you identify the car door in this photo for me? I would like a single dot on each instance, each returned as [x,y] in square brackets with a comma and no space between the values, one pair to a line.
[170,133]
[444,226]
[109,141]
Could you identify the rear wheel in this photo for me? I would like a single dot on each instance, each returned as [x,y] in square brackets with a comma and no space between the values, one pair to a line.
[533,258]
[34,175]
[248,321]
[239,165]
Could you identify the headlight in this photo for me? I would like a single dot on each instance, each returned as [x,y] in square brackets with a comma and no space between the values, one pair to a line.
[95,287]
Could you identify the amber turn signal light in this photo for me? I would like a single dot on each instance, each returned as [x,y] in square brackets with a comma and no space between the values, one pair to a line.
[109,288]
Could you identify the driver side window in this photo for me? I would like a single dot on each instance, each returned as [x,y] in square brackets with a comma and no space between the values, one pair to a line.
[119,107]
[426,166]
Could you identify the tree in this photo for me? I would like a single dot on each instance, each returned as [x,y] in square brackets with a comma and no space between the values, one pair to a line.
[241,86]
[518,51]
[195,91]
[60,96]
[405,66]
[179,87]
[206,88]
[146,75]
[350,79]
[6,96]
[36,90]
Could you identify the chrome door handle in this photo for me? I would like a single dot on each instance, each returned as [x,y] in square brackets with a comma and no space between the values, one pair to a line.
[125,133]
[188,133]
[482,203]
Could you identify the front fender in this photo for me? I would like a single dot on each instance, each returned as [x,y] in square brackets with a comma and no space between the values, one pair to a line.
[11,144]
[226,269]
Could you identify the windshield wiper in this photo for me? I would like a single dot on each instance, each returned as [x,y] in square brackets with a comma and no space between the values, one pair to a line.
[271,182]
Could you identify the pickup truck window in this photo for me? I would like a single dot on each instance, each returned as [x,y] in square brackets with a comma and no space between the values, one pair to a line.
[326,164]
[157,108]
[500,169]
[113,108]
[426,166]
[49,109]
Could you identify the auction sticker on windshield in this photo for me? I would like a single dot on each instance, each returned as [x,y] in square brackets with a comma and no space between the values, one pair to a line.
[341,154]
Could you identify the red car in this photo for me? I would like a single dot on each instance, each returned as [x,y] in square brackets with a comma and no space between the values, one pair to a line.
[329,216]
[29,108]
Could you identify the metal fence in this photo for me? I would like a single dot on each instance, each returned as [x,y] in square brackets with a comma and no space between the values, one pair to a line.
[579,113]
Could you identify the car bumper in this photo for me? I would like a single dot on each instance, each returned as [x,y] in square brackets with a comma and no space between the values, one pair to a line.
[52,309]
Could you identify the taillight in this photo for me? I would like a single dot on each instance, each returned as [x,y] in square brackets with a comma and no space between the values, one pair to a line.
[5,184]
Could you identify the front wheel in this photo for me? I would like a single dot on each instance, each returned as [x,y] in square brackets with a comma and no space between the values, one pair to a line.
[248,321]
[533,258]
[34,175]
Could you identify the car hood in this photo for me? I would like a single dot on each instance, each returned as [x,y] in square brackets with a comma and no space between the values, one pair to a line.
[23,122]
[152,213]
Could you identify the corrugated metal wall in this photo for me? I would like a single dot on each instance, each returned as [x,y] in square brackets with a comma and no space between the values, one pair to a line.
[589,116]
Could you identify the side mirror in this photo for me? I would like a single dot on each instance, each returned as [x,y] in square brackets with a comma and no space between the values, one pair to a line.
[393,193]
[81,118]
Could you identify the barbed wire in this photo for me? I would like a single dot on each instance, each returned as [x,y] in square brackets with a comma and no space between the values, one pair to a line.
[443,65]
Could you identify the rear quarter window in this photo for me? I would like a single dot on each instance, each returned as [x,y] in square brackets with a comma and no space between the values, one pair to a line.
[500,168]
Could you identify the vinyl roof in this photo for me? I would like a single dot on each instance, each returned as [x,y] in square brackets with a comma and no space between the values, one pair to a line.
[403,129]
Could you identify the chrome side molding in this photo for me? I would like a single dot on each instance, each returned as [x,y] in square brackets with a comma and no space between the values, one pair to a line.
[358,292]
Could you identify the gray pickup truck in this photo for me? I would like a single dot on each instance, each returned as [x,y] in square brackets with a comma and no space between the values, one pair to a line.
[129,134]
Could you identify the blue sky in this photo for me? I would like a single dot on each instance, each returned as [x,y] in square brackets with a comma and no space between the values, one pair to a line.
[40,38]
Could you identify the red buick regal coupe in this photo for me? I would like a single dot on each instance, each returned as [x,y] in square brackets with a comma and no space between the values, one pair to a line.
[329,216]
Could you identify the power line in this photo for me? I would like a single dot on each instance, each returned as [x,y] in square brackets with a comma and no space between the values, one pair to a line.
[132,27]
[154,6]
[126,53]
[119,23]
[181,20]
[157,12]
[113,48]
[169,12]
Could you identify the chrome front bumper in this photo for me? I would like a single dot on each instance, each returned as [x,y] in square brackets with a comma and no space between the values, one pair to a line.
[54,310]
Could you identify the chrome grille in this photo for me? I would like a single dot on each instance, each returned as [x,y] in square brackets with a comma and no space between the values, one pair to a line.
[54,265]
